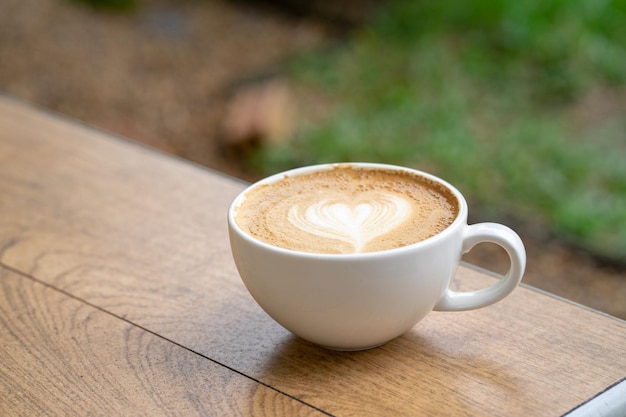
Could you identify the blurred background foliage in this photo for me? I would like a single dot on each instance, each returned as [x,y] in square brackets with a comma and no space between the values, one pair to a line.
[121,6]
[507,100]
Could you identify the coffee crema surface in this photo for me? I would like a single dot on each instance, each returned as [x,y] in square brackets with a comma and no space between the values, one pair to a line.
[347,210]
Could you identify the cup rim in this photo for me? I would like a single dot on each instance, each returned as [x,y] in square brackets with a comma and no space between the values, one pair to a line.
[460,218]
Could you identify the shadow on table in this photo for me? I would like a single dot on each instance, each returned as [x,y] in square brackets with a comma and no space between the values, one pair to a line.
[410,374]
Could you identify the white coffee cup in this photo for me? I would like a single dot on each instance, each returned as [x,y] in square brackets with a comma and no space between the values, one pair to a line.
[360,301]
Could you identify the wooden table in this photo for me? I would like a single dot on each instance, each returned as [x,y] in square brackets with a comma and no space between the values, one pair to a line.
[118,296]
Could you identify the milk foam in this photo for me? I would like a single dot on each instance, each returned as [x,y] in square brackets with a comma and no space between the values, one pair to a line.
[355,224]
[347,210]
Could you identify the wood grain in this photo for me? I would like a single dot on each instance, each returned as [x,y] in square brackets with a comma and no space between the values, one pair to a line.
[506,360]
[63,357]
[143,236]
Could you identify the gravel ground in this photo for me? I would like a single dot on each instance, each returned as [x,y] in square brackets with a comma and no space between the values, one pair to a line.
[159,76]
[166,76]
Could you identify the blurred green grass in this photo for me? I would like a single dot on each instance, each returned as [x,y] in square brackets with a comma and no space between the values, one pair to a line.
[481,93]
[118,6]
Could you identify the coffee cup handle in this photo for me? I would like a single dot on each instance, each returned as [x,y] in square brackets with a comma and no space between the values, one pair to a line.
[512,244]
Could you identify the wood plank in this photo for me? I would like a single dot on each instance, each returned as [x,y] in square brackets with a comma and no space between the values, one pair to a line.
[541,359]
[144,236]
[63,357]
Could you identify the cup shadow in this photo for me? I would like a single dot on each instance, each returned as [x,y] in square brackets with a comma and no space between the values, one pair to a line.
[411,374]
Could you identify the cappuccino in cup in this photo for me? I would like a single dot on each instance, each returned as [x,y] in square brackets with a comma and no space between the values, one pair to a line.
[347,210]
[350,256]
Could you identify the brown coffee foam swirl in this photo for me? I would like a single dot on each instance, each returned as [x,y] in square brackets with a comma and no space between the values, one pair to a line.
[346,210]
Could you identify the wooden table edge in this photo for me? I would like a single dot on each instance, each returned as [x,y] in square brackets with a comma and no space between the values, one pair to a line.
[492,274]
[611,402]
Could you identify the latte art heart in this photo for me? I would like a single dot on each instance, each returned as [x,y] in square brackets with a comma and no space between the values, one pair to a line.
[355,224]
